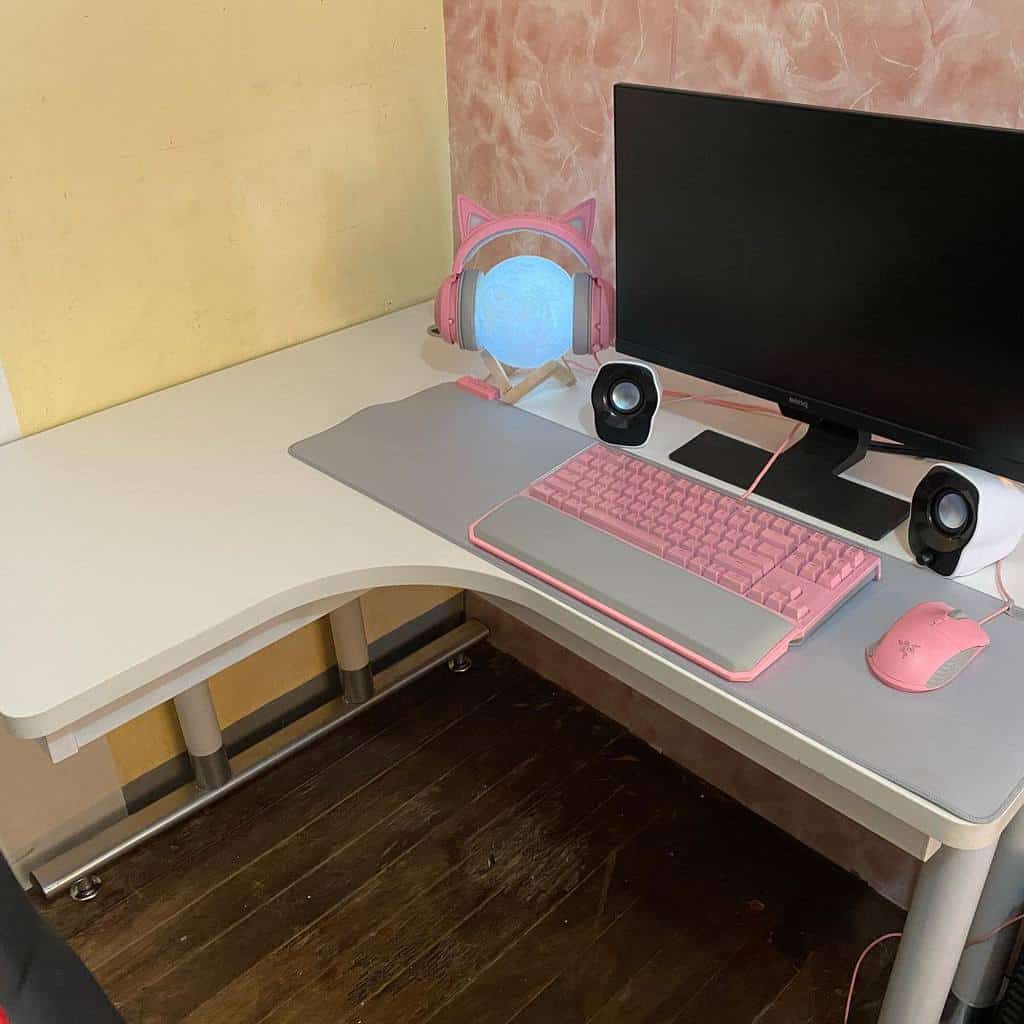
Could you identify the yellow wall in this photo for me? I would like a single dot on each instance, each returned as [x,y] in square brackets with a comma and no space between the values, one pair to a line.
[187,185]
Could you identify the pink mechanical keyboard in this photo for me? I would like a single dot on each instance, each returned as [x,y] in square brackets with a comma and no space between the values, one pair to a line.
[698,545]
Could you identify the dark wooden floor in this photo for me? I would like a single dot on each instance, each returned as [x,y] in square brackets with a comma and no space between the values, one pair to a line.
[479,848]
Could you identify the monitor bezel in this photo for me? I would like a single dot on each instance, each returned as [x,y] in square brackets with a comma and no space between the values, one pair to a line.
[801,406]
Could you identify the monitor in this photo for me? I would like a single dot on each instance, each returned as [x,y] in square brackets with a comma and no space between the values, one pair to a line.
[862,271]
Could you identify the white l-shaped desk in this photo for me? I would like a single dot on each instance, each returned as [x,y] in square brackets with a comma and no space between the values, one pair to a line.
[148,546]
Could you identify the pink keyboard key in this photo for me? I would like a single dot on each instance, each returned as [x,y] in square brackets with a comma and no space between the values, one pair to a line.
[735,582]
[736,565]
[678,555]
[779,540]
[631,534]
[762,561]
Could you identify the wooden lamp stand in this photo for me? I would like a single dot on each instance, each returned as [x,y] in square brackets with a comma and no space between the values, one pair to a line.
[514,386]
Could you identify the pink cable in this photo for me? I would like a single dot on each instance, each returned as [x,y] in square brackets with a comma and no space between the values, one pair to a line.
[995,931]
[721,403]
[856,970]
[582,367]
[683,396]
[771,462]
[897,935]
[1003,593]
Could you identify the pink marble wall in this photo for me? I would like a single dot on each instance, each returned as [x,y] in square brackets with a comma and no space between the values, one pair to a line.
[530,81]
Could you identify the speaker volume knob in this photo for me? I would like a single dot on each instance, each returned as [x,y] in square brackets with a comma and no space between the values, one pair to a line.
[926,558]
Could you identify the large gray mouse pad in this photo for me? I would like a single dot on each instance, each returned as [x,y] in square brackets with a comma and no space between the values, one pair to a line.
[443,458]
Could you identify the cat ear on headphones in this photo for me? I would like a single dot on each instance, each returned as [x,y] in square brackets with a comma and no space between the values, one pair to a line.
[581,218]
[471,215]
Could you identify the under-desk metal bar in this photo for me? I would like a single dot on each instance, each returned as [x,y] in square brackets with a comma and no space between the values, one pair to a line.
[58,874]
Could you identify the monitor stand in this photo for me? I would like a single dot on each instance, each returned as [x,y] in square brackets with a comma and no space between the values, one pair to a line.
[806,477]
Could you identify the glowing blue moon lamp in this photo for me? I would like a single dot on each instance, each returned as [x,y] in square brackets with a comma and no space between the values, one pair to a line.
[523,313]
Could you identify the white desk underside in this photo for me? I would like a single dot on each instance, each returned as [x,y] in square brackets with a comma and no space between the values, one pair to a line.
[154,543]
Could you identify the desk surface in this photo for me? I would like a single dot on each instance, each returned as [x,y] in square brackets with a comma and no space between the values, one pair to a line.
[141,538]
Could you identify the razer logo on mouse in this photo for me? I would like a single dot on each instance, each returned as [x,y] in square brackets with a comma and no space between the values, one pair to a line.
[907,648]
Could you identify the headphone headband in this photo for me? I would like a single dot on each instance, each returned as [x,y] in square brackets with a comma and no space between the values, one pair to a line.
[534,224]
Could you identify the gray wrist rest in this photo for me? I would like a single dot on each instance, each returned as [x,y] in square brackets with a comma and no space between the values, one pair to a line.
[700,616]
[443,458]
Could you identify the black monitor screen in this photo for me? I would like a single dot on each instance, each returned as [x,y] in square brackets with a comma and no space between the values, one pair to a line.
[865,268]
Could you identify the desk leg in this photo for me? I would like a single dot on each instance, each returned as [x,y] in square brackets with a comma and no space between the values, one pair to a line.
[353,654]
[945,899]
[203,737]
[982,967]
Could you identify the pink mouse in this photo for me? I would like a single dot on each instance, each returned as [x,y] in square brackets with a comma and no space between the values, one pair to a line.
[927,648]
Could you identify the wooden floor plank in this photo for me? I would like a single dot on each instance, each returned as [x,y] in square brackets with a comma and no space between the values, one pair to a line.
[748,982]
[686,913]
[540,954]
[702,945]
[521,849]
[531,962]
[538,874]
[231,903]
[813,995]
[132,919]
[177,850]
[818,992]
[541,744]
[589,983]
[790,882]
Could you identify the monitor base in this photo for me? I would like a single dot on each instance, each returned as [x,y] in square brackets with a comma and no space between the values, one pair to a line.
[805,477]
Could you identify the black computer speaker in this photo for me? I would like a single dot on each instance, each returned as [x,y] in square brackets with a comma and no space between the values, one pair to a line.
[962,519]
[625,397]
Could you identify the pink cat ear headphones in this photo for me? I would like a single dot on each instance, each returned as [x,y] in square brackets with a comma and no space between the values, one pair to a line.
[593,297]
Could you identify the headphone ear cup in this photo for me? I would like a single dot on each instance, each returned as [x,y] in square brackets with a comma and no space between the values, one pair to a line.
[582,313]
[465,315]
[444,309]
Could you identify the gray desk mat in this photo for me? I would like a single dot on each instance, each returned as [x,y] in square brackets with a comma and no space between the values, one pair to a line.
[443,458]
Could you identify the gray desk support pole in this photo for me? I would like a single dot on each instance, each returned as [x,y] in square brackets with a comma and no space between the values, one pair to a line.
[982,968]
[945,900]
[203,738]
[352,651]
